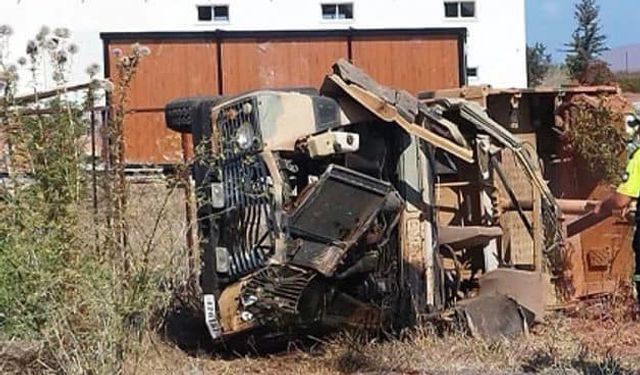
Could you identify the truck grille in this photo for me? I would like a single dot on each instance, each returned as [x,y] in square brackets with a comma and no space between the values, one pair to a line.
[230,119]
[248,228]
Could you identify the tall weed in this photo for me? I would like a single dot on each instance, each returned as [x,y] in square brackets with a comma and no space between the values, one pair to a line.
[81,283]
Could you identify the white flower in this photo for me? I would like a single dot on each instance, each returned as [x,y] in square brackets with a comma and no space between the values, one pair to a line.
[93,70]
[42,34]
[72,48]
[6,30]
[140,50]
[145,51]
[51,44]
[32,48]
[62,32]
[61,57]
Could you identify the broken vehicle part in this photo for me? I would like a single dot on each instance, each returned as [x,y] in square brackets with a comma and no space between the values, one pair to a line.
[542,119]
[360,207]
[389,105]
[494,318]
[527,288]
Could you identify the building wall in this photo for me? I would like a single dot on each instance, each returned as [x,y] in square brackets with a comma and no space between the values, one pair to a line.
[495,45]
[187,64]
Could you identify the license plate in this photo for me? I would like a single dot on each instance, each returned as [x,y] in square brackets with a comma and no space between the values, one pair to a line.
[211,316]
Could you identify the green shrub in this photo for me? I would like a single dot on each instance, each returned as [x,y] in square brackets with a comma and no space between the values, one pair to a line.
[596,139]
[629,82]
[67,281]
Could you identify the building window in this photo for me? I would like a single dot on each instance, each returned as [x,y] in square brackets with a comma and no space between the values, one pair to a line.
[218,13]
[335,11]
[459,9]
[472,72]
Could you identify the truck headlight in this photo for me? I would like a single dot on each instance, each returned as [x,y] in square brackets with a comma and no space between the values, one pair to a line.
[244,136]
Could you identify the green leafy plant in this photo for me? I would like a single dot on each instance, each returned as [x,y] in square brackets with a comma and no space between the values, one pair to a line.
[595,137]
[85,285]
[629,82]
[538,64]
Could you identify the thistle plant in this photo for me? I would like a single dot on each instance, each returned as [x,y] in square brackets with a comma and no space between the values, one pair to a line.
[39,204]
[126,68]
[87,308]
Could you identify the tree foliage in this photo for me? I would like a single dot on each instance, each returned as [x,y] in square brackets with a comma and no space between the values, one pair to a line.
[538,64]
[596,139]
[587,41]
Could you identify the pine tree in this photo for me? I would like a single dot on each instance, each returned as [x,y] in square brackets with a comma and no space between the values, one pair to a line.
[538,64]
[587,41]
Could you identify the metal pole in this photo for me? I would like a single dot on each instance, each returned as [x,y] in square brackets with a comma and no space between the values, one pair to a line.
[94,179]
[188,203]
[626,61]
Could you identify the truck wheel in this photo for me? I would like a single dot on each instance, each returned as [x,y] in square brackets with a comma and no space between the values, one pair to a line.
[183,114]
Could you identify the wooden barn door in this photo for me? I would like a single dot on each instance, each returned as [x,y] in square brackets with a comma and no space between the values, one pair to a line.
[175,68]
[248,64]
[413,63]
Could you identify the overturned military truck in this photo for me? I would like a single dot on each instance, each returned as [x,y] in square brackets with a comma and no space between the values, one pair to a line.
[317,211]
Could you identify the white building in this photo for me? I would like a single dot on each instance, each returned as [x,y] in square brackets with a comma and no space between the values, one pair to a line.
[496,44]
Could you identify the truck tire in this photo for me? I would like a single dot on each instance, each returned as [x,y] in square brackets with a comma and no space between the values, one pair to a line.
[183,114]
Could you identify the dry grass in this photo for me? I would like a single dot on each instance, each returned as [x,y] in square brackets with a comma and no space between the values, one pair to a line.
[561,345]
[597,338]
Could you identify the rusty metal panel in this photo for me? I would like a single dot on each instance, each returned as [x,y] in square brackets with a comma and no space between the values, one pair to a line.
[250,64]
[604,258]
[148,141]
[173,69]
[415,63]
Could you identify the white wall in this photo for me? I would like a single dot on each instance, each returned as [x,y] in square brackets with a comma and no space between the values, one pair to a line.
[496,37]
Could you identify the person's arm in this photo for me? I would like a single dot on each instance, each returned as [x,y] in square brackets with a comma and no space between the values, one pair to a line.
[613,201]
[628,190]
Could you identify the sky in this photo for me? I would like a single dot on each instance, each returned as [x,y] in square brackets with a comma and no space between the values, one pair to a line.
[551,22]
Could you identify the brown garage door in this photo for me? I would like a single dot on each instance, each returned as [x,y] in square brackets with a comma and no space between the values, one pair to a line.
[251,63]
[215,63]
[414,63]
[174,68]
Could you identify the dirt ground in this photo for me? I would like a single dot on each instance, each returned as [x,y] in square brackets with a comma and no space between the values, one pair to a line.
[599,337]
[561,345]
